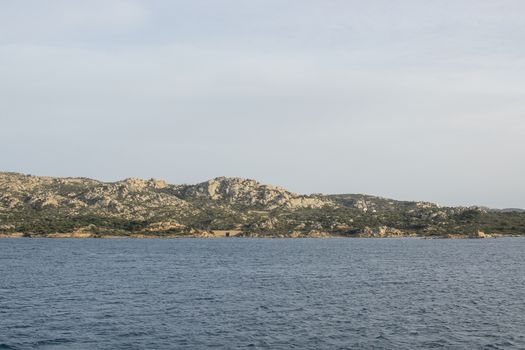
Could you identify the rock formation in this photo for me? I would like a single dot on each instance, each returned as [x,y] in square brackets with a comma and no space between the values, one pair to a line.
[32,205]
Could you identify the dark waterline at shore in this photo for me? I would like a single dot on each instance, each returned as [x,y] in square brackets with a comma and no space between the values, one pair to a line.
[263,293]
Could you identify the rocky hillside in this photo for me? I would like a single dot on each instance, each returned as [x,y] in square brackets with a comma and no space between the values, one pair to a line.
[31,205]
[248,193]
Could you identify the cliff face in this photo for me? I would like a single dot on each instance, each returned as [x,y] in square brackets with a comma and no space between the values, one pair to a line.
[44,205]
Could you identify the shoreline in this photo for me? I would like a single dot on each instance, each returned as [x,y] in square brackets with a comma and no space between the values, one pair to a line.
[208,235]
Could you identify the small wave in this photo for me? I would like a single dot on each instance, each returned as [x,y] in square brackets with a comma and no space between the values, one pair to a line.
[6,347]
[204,298]
[56,341]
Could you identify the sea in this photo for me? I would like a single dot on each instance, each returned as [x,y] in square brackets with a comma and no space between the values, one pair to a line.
[242,293]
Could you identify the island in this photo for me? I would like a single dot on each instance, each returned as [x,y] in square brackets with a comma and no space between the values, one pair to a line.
[39,206]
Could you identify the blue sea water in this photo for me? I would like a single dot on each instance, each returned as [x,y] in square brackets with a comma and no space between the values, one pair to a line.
[262,293]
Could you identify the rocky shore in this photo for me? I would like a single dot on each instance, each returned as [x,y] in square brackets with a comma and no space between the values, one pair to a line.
[146,235]
[34,206]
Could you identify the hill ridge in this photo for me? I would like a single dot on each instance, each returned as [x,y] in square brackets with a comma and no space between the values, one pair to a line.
[40,205]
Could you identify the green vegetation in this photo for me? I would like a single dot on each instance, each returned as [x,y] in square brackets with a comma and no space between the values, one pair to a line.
[40,206]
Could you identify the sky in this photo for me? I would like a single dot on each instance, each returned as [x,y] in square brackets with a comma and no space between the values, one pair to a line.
[408,99]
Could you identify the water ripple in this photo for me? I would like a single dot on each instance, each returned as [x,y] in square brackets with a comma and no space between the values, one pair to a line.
[262,294]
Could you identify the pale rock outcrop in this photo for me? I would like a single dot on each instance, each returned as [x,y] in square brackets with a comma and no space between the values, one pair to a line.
[164,226]
[250,192]
[381,231]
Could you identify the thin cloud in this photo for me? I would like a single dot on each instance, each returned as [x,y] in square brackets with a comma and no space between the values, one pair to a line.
[396,99]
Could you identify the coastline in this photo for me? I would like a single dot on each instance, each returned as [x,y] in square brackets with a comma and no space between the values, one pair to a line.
[213,235]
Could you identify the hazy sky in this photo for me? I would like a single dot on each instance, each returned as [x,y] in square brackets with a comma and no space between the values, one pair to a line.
[417,100]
